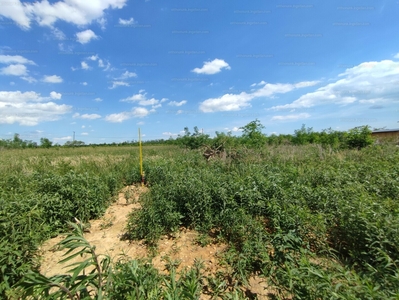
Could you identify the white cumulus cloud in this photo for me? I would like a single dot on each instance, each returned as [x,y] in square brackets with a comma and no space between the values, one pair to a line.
[46,13]
[140,112]
[260,83]
[93,57]
[126,22]
[52,79]
[212,67]
[28,79]
[55,95]
[117,83]
[29,108]
[86,116]
[368,82]
[228,102]
[84,65]
[235,102]
[14,70]
[142,99]
[86,36]
[127,75]
[175,103]
[118,118]
[136,112]
[17,13]
[15,59]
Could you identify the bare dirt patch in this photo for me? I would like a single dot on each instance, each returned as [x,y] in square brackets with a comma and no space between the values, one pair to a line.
[185,249]
[106,234]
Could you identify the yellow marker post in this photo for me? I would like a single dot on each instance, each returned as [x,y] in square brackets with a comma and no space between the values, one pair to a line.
[141,160]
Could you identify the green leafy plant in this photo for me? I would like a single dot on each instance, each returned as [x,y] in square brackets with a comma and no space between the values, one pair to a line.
[89,278]
[252,134]
[107,222]
[359,137]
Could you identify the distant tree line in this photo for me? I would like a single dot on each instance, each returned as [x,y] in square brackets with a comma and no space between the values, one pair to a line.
[252,136]
[17,143]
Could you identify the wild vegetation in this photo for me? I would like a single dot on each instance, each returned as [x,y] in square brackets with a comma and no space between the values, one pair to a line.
[313,219]
[252,136]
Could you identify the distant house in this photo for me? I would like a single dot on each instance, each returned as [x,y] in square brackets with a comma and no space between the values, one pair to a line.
[386,135]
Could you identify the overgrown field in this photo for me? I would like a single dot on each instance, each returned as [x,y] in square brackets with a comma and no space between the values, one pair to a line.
[315,223]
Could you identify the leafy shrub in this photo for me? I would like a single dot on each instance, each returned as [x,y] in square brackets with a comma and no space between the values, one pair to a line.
[21,230]
[135,279]
[72,195]
[252,134]
[359,137]
[278,213]
[194,140]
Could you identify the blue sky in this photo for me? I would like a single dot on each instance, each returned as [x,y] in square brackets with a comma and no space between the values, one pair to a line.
[103,68]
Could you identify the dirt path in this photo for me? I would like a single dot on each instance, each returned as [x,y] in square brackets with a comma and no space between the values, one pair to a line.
[105,234]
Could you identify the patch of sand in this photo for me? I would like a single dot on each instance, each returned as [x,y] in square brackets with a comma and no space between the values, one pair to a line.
[104,233]
[183,247]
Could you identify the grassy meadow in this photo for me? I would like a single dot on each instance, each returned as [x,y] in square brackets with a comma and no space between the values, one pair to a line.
[314,222]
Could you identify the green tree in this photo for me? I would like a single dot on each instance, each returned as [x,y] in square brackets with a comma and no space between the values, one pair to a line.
[186,131]
[194,140]
[17,142]
[301,136]
[45,143]
[252,134]
[359,137]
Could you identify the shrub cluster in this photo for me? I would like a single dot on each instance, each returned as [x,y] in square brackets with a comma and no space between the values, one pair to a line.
[314,225]
[38,198]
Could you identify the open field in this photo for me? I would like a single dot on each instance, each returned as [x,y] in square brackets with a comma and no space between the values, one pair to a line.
[283,222]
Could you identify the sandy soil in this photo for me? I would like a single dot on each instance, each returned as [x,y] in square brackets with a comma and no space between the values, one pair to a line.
[106,232]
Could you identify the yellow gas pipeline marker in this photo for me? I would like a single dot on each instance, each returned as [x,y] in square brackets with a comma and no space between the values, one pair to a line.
[141,160]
